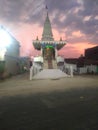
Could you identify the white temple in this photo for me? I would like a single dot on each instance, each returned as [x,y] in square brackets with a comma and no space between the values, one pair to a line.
[47,45]
[48,65]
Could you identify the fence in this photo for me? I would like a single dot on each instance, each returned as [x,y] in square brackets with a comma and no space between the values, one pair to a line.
[89,69]
[66,68]
[35,68]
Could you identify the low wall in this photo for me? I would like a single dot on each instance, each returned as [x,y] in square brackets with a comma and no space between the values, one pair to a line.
[88,69]
[38,59]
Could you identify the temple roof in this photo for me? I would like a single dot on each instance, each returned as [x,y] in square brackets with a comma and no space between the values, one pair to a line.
[38,44]
[47,31]
[47,37]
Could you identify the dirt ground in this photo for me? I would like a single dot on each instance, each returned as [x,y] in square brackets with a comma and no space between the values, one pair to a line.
[67,103]
[21,84]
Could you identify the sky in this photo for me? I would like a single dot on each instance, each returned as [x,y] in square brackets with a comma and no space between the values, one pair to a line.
[76,21]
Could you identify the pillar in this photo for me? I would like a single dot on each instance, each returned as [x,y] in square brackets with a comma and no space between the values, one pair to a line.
[31,72]
[41,51]
[56,53]
[71,71]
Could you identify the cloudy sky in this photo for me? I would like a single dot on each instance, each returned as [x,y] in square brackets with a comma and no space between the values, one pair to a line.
[74,20]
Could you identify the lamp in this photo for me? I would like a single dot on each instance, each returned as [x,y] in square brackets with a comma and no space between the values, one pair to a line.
[5,38]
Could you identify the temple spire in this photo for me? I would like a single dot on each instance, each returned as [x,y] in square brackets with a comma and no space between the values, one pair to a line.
[47,30]
[47,11]
[46,8]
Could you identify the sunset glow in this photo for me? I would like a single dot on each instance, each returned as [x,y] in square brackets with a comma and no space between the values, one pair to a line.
[71,20]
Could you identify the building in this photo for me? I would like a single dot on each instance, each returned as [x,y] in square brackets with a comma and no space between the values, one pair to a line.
[82,65]
[48,46]
[9,53]
[24,64]
[92,53]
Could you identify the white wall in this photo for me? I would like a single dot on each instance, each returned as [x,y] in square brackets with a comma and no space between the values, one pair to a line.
[12,65]
[38,59]
[88,69]
[12,58]
[59,59]
[74,66]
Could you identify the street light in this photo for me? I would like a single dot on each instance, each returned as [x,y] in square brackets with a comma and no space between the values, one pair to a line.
[5,41]
[5,38]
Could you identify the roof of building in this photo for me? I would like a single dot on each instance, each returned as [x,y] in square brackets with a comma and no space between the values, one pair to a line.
[90,62]
[47,37]
[93,48]
[47,30]
[71,60]
[81,61]
[58,44]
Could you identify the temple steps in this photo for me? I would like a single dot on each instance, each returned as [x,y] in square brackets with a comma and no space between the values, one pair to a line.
[50,64]
[50,74]
[54,64]
[45,64]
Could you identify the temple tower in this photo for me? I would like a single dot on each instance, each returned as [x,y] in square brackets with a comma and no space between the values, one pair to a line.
[47,45]
[47,31]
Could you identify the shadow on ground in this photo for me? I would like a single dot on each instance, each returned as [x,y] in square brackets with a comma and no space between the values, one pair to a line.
[69,110]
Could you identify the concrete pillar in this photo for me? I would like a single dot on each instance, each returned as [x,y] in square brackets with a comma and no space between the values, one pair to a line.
[71,71]
[41,51]
[56,53]
[31,72]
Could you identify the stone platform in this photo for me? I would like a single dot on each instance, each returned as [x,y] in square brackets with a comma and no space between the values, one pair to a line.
[50,74]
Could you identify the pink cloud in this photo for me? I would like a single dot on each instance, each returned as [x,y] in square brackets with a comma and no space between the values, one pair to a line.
[26,33]
[74,50]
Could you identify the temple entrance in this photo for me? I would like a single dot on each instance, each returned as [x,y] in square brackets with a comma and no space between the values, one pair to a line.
[49,52]
[49,55]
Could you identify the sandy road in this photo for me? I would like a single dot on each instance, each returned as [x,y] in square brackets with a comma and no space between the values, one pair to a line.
[21,84]
[63,104]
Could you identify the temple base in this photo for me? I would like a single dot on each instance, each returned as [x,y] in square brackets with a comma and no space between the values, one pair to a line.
[50,74]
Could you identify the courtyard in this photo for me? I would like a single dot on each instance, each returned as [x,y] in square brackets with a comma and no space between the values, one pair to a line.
[59,104]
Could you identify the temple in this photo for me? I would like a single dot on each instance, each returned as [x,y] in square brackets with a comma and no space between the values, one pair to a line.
[47,45]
